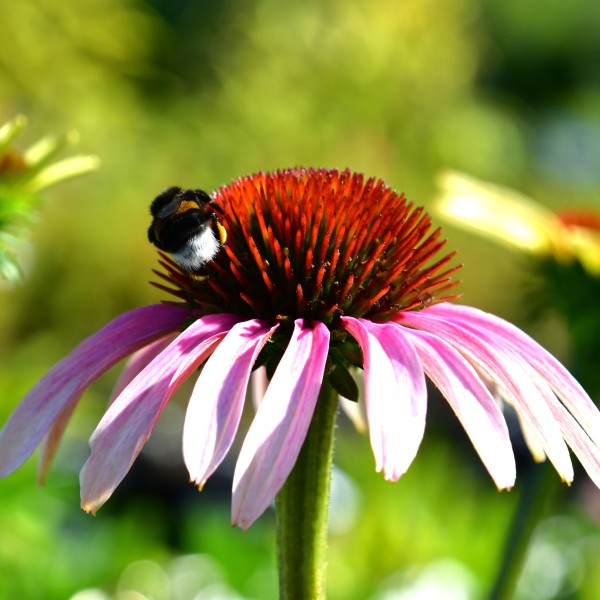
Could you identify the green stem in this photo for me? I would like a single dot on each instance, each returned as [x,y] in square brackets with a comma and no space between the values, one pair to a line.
[302,508]
[540,486]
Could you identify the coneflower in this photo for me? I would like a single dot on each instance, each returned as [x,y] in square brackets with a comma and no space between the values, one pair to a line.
[323,272]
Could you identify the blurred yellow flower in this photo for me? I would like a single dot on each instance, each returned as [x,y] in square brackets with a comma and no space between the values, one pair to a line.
[23,174]
[518,221]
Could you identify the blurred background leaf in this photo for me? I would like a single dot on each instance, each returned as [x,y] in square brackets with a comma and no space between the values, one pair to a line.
[197,93]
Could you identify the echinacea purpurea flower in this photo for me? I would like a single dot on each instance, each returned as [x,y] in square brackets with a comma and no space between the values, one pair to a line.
[322,272]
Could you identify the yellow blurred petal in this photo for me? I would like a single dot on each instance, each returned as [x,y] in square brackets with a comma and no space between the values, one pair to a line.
[64,169]
[10,131]
[497,212]
[49,146]
[586,246]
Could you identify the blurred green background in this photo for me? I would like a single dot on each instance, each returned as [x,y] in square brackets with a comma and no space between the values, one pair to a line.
[198,93]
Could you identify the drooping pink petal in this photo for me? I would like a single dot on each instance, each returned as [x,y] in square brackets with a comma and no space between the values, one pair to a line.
[562,382]
[259,382]
[279,428]
[136,362]
[355,413]
[578,440]
[129,420]
[395,394]
[57,393]
[216,404]
[51,440]
[505,369]
[532,440]
[472,403]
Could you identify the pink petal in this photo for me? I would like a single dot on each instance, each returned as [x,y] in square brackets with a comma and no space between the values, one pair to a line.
[355,413]
[562,382]
[259,383]
[395,394]
[279,428]
[584,448]
[532,441]
[51,440]
[215,408]
[578,440]
[506,369]
[128,422]
[136,362]
[472,403]
[55,395]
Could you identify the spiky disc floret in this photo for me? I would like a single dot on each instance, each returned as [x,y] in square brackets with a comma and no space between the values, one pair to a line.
[317,244]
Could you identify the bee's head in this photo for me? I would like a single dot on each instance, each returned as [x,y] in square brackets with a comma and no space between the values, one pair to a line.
[179,215]
[184,225]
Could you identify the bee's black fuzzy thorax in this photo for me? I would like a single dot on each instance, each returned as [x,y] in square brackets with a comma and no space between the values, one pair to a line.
[186,226]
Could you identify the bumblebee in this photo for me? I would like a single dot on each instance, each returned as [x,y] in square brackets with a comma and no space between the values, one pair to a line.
[186,226]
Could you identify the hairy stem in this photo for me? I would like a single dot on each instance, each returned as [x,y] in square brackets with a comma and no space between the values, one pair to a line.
[302,508]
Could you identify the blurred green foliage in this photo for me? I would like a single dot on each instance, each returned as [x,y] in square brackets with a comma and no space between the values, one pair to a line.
[197,93]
